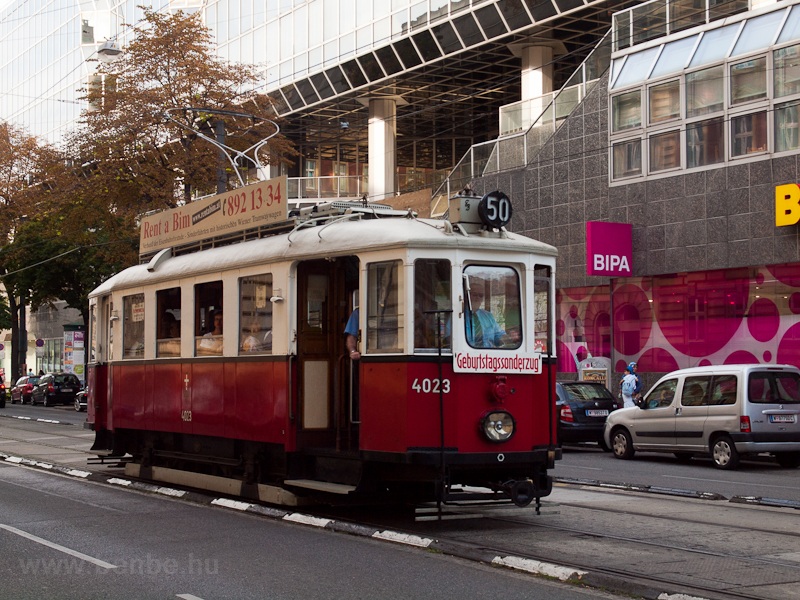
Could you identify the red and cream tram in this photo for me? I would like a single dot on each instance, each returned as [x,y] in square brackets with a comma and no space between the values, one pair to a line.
[226,358]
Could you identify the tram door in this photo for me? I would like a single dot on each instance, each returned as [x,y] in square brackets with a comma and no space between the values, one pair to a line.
[324,292]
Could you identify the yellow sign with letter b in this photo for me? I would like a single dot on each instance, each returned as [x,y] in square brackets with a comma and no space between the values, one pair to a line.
[787,204]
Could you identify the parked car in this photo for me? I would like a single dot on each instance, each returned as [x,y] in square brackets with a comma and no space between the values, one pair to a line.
[21,391]
[80,401]
[726,411]
[582,410]
[56,388]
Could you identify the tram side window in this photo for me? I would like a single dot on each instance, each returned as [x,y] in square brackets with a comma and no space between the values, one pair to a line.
[133,326]
[492,315]
[431,293]
[385,307]
[93,333]
[255,314]
[208,319]
[541,308]
[168,311]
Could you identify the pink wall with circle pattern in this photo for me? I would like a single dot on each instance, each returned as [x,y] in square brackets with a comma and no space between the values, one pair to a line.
[668,322]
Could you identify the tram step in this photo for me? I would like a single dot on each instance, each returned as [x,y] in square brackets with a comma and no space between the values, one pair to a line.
[321,486]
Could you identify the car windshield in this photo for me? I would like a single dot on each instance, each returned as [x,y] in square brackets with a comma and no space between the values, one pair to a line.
[774,387]
[33,380]
[66,380]
[585,391]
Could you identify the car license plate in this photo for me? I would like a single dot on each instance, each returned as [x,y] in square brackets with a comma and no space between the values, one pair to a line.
[781,418]
[596,413]
[66,389]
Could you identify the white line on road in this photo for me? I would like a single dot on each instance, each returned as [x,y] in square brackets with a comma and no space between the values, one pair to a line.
[782,487]
[188,597]
[38,540]
[576,467]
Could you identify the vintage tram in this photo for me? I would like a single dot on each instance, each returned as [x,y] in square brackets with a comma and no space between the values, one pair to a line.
[222,363]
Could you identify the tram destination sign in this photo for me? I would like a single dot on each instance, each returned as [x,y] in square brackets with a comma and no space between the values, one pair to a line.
[254,205]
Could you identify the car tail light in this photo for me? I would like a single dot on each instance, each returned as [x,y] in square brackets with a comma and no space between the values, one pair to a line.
[744,424]
[566,414]
[50,387]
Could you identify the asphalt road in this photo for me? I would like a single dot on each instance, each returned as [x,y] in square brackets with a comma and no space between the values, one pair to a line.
[759,476]
[65,414]
[62,538]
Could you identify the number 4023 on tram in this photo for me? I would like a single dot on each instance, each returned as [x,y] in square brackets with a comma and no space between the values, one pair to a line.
[223,363]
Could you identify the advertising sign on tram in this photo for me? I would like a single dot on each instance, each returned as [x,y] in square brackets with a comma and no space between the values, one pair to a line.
[254,205]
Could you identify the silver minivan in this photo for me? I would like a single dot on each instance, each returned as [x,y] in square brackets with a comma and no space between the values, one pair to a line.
[725,411]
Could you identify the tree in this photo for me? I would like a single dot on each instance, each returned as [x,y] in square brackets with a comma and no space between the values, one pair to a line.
[128,140]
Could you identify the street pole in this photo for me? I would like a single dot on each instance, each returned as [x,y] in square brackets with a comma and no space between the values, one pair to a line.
[23,339]
[222,180]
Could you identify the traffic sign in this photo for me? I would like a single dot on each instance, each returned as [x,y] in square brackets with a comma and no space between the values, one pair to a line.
[39,343]
[2,347]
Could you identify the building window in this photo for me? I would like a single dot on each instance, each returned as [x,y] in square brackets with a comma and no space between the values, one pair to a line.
[749,134]
[628,159]
[626,110]
[311,173]
[704,92]
[786,134]
[787,71]
[665,101]
[665,151]
[133,327]
[749,80]
[705,143]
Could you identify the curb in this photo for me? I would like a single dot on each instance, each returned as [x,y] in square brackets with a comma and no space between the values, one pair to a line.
[564,573]
[630,487]
[758,500]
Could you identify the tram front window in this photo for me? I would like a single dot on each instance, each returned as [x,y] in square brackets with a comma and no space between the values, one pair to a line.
[384,307]
[208,318]
[492,315]
[431,293]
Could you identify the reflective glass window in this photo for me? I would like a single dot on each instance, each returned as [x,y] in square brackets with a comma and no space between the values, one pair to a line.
[787,118]
[749,80]
[331,19]
[749,134]
[331,52]
[492,308]
[399,23]
[636,67]
[427,46]
[662,396]
[432,292]
[363,12]
[715,45]
[233,18]
[168,325]
[407,53]
[371,66]
[133,326]
[774,388]
[347,15]
[347,45]
[786,62]
[354,73]
[246,15]
[626,111]
[627,157]
[705,91]
[273,42]
[438,9]
[723,390]
[758,33]
[705,143]
[490,21]
[418,15]
[363,38]
[695,391]
[389,60]
[684,14]
[468,29]
[665,101]
[337,79]
[541,10]
[665,151]
[673,57]
[514,13]
[321,84]
[385,310]
[255,314]
[300,30]
[380,8]
[286,37]
[382,30]
[791,29]
[447,38]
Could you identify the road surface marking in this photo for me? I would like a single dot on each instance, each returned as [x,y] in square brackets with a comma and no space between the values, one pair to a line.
[574,467]
[188,597]
[782,487]
[38,540]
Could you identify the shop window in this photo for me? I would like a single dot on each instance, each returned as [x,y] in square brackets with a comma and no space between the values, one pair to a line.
[705,143]
[786,130]
[541,308]
[749,134]
[492,316]
[704,91]
[133,326]
[626,111]
[665,151]
[749,80]
[255,310]
[431,293]
[787,71]
[208,319]
[168,315]
[385,307]
[665,101]
[628,159]
[311,173]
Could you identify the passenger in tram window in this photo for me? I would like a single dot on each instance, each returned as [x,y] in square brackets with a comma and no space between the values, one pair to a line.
[212,341]
[257,341]
[351,335]
[483,330]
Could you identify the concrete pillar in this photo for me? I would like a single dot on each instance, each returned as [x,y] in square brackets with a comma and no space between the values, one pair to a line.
[537,80]
[382,148]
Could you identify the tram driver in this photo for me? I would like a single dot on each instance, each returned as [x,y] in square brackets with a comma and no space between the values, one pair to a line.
[483,331]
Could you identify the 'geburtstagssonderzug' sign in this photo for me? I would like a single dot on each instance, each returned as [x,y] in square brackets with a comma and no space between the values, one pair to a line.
[254,205]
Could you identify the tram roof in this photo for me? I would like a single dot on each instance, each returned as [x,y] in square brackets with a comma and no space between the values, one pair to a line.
[334,239]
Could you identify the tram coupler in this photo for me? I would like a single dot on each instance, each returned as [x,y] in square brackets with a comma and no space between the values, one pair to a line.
[522,492]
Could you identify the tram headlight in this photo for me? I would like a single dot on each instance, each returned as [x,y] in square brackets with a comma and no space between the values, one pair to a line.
[498,426]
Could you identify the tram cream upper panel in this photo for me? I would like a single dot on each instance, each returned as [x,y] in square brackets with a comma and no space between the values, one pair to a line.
[337,239]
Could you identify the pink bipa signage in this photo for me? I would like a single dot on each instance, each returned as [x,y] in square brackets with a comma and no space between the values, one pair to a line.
[609,249]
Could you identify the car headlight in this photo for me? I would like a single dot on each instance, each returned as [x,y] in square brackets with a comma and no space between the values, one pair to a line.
[498,426]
